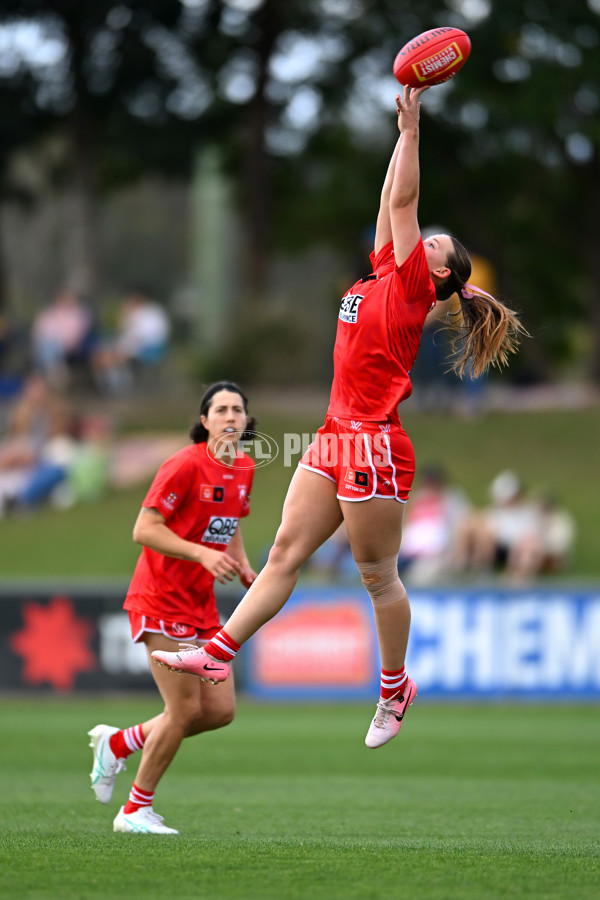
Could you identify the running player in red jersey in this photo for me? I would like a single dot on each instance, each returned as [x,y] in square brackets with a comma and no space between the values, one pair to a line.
[360,467]
[189,530]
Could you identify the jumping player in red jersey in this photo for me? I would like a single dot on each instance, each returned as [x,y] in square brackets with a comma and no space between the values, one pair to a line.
[360,467]
[189,530]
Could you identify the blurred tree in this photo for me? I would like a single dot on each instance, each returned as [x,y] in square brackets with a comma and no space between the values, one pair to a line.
[20,123]
[299,98]
[81,68]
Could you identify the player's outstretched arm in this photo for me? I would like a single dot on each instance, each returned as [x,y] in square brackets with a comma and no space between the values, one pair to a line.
[404,196]
[383,231]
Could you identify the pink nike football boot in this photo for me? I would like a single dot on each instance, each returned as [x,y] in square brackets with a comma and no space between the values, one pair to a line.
[388,717]
[193,660]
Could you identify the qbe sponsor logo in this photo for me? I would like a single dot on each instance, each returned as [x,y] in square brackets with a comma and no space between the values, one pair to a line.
[220,530]
[349,308]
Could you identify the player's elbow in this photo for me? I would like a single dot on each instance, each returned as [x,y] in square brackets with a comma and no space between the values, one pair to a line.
[403,198]
[138,534]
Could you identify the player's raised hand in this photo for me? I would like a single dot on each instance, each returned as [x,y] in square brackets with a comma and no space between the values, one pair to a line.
[408,107]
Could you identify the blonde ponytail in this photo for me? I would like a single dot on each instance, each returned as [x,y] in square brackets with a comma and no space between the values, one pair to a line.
[488,334]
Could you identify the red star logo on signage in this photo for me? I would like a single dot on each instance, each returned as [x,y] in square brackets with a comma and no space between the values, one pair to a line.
[54,644]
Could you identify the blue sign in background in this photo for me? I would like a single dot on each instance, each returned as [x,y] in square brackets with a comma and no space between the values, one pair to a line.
[473,642]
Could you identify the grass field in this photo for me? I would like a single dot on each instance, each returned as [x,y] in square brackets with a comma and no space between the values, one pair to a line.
[477,802]
[554,450]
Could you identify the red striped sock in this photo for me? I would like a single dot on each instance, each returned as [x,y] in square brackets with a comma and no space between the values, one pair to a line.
[137,799]
[125,742]
[222,647]
[392,683]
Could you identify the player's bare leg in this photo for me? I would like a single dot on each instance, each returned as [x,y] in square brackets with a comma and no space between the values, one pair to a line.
[311,514]
[191,707]
[375,531]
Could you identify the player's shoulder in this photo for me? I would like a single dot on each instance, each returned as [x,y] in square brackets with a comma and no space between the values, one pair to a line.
[415,259]
[383,258]
[191,453]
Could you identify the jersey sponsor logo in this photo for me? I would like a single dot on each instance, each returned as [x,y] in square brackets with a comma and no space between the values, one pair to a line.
[219,530]
[355,425]
[349,308]
[356,477]
[385,429]
[212,492]
[178,628]
[169,501]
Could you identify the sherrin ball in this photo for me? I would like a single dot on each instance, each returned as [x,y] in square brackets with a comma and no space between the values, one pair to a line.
[432,57]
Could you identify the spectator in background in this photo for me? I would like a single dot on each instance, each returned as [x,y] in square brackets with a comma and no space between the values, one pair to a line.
[140,344]
[61,337]
[514,535]
[36,415]
[434,515]
[558,534]
[51,467]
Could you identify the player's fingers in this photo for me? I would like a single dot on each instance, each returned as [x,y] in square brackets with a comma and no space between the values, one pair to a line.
[232,563]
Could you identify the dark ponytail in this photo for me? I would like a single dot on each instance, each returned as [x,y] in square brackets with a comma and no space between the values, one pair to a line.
[198,432]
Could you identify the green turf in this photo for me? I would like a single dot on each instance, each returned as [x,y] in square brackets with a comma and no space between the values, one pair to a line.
[550,450]
[477,802]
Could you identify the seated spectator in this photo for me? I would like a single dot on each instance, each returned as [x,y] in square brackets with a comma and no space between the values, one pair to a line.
[37,413]
[50,469]
[434,513]
[514,535]
[53,454]
[88,471]
[61,338]
[557,534]
[141,343]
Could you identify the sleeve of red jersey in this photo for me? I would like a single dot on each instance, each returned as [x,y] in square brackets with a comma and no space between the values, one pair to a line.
[169,487]
[384,258]
[416,280]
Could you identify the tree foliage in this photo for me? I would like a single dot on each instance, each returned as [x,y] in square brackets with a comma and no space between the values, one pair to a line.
[299,98]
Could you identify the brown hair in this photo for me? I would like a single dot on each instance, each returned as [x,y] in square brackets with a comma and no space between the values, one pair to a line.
[488,331]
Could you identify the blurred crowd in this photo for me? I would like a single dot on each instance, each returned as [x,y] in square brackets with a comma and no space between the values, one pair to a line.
[67,342]
[49,450]
[517,535]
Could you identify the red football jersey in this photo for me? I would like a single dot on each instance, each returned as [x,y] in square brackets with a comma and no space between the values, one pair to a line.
[202,501]
[379,331]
